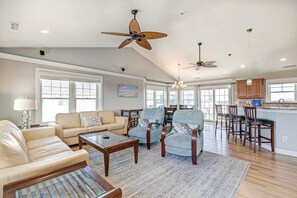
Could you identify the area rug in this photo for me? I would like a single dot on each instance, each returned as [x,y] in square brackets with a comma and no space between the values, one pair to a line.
[172,176]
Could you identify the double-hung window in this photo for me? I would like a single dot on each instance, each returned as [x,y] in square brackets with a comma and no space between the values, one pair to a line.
[155,96]
[172,97]
[86,96]
[286,91]
[188,97]
[55,98]
[64,92]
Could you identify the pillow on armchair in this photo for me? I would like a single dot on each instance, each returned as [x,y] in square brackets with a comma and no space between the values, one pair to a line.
[143,122]
[184,128]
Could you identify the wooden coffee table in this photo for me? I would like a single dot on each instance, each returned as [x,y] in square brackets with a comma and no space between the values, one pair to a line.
[114,143]
[78,180]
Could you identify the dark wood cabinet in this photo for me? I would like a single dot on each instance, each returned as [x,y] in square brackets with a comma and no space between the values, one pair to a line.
[254,91]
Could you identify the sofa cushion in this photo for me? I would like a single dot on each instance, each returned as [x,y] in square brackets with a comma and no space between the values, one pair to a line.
[42,152]
[74,132]
[115,126]
[92,121]
[68,120]
[86,114]
[13,149]
[42,142]
[107,116]
[97,128]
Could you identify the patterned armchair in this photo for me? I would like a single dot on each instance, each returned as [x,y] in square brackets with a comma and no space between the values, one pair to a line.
[149,128]
[186,136]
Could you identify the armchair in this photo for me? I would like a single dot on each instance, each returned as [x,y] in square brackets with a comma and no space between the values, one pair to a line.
[186,136]
[149,128]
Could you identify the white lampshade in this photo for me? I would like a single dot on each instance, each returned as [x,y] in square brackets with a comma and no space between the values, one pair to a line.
[25,105]
[249,81]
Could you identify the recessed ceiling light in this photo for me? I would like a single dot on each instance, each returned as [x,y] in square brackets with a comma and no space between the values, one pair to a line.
[44,31]
[242,66]
[283,59]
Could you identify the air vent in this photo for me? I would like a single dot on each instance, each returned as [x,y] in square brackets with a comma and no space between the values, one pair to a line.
[289,66]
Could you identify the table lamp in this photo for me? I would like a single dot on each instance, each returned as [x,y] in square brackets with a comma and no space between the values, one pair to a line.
[26,106]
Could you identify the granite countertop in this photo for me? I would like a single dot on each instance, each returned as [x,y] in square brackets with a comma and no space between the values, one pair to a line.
[280,108]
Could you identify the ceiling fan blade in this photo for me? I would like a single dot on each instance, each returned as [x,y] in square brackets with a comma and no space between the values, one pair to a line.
[153,35]
[193,63]
[115,33]
[189,67]
[144,43]
[210,66]
[209,62]
[125,42]
[134,26]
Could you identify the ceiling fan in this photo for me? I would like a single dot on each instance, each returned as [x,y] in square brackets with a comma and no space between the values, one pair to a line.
[136,35]
[200,63]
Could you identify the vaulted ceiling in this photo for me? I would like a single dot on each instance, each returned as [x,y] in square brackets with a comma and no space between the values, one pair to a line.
[219,24]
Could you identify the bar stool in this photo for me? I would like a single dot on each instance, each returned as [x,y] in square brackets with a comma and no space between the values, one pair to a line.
[252,122]
[235,119]
[221,116]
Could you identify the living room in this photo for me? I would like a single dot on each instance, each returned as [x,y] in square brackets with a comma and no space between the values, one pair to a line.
[202,104]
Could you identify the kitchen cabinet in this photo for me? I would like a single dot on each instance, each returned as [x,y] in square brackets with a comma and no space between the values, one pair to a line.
[254,91]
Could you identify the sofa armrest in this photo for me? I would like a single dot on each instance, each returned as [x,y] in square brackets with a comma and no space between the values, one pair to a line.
[16,173]
[122,120]
[58,130]
[37,133]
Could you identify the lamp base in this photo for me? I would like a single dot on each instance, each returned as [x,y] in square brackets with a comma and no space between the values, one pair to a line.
[26,120]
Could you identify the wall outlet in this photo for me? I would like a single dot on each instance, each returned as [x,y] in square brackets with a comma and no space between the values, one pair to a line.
[285,139]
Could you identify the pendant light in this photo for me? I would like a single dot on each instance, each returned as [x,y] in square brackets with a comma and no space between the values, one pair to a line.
[179,84]
[249,80]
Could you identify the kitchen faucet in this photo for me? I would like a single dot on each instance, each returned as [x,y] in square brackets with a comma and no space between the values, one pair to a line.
[281,101]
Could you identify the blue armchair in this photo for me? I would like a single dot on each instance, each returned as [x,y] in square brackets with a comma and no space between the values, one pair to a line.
[149,128]
[186,136]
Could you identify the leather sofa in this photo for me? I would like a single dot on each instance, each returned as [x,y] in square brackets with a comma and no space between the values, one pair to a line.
[69,125]
[32,152]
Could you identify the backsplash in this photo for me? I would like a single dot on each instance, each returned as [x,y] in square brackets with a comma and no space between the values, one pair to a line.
[241,102]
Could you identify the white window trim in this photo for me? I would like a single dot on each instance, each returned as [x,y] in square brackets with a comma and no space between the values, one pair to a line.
[280,81]
[64,74]
[156,87]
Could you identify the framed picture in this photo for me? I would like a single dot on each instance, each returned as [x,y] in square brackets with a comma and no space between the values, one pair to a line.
[129,91]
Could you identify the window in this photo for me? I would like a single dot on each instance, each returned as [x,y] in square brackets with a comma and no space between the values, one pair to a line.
[188,97]
[206,103]
[172,97]
[155,96]
[64,92]
[55,98]
[286,91]
[86,94]
[209,97]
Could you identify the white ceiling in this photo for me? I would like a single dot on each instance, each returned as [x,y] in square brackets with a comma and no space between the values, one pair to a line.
[219,24]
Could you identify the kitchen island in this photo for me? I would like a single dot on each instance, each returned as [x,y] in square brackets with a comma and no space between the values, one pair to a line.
[285,132]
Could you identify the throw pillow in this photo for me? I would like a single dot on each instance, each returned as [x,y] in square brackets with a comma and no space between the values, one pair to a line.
[92,121]
[143,122]
[183,127]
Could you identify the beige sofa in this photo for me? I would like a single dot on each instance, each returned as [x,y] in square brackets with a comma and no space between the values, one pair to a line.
[69,125]
[32,152]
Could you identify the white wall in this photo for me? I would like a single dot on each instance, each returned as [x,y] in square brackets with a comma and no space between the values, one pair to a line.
[17,80]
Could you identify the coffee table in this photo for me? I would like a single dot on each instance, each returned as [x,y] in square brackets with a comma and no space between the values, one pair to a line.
[78,180]
[113,144]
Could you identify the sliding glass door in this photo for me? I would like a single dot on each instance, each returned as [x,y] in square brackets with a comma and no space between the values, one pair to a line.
[209,97]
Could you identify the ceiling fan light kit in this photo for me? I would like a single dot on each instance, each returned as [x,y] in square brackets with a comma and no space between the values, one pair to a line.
[200,63]
[135,34]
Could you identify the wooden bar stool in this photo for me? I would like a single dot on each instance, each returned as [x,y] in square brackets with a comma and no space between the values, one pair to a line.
[235,119]
[252,122]
[220,116]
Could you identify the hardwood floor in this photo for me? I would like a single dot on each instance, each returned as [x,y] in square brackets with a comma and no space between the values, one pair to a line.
[269,175]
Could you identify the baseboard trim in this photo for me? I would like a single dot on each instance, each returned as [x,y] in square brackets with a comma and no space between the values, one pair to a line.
[281,151]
